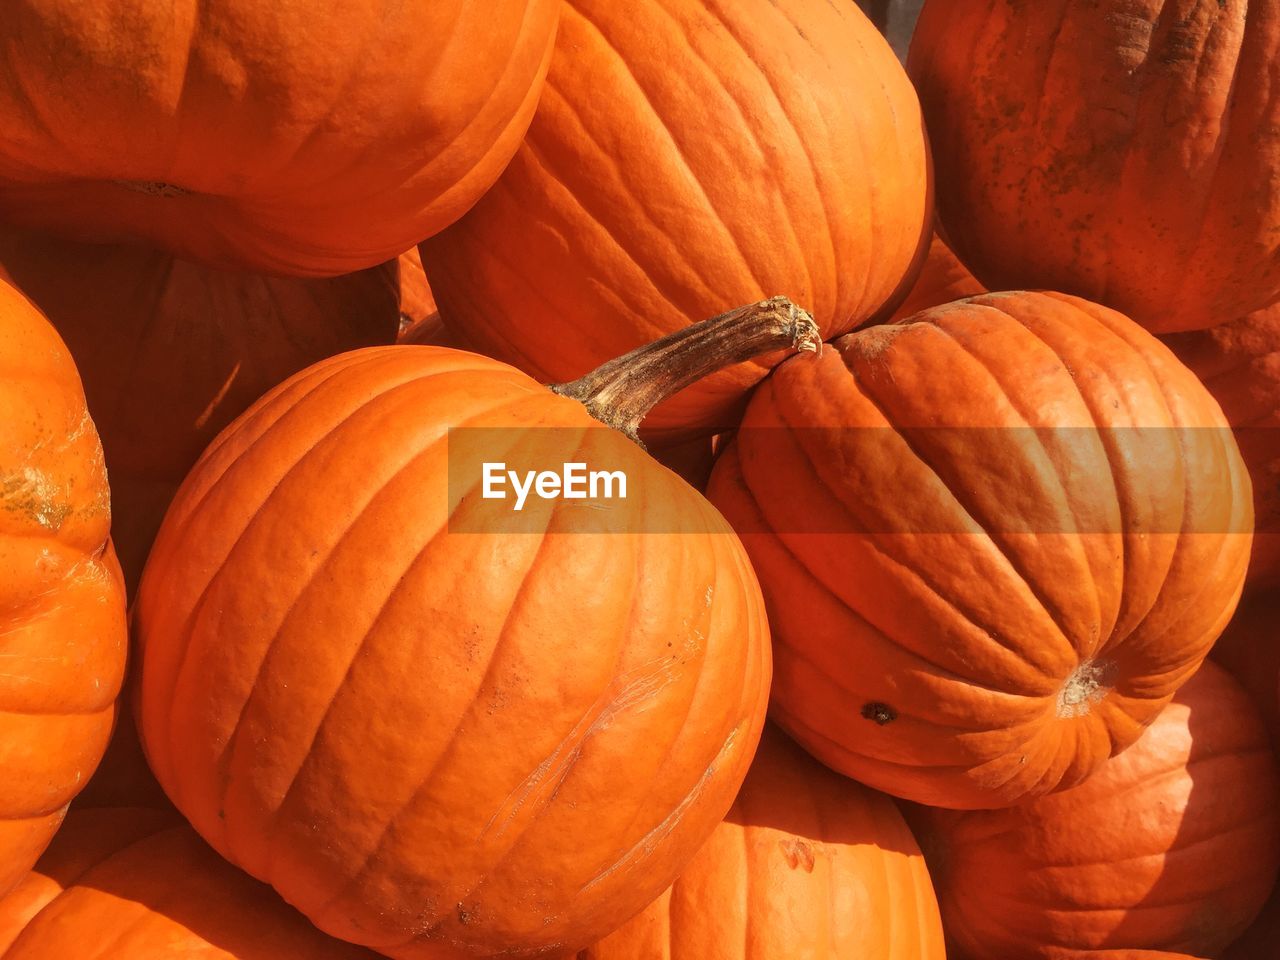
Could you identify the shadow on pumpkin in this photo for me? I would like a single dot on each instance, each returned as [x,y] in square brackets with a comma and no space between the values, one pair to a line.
[170,352]
[1174,845]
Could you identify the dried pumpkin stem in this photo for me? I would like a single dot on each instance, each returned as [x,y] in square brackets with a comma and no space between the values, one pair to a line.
[621,392]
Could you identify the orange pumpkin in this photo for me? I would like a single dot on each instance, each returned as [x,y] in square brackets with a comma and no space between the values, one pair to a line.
[994,539]
[1127,151]
[943,279]
[510,740]
[138,884]
[806,864]
[688,157]
[171,352]
[62,610]
[281,137]
[1240,364]
[1173,845]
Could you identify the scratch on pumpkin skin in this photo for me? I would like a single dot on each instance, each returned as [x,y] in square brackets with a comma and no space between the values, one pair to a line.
[799,854]
[638,685]
[646,843]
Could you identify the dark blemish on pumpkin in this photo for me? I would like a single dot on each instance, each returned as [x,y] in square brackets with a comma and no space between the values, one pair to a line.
[798,853]
[152,188]
[463,917]
[881,713]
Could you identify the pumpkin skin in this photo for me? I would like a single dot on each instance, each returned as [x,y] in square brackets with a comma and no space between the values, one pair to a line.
[170,352]
[1173,845]
[62,603]
[138,884]
[279,138]
[943,279]
[688,157]
[1126,151]
[427,816]
[940,631]
[805,864]
[1240,364]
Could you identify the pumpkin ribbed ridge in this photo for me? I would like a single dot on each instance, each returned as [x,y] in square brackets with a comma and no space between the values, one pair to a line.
[1131,858]
[1239,362]
[127,882]
[1038,604]
[282,138]
[688,157]
[61,595]
[463,804]
[805,863]
[1123,151]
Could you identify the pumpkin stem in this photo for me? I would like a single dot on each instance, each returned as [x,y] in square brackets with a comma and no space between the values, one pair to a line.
[623,391]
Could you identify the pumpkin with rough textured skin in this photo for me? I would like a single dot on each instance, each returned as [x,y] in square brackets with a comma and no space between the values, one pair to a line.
[943,279]
[993,540]
[1127,151]
[1240,364]
[480,695]
[284,137]
[1173,845]
[62,607]
[138,884]
[170,352]
[687,157]
[805,864]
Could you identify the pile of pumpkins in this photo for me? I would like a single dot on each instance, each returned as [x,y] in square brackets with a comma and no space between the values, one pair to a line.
[936,621]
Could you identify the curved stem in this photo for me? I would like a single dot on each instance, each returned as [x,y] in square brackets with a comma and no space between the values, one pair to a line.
[621,392]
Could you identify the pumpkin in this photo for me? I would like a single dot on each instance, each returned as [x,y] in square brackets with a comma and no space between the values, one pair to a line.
[138,884]
[1249,649]
[689,156]
[1127,151]
[490,683]
[806,864]
[286,137]
[993,540]
[171,352]
[62,610]
[1173,845]
[1240,364]
[943,279]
